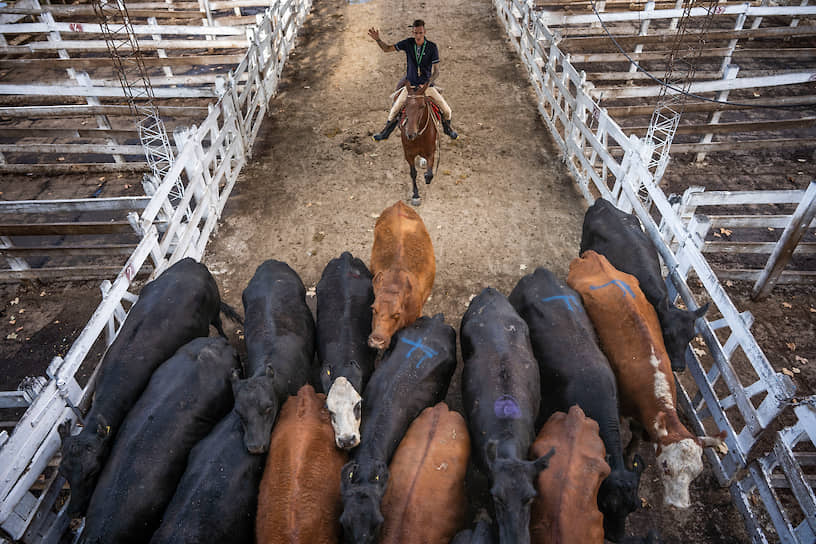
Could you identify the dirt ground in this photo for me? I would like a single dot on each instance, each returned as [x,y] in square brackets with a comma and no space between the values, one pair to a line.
[501,204]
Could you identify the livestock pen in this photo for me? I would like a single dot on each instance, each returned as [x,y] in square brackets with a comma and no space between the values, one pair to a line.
[765,477]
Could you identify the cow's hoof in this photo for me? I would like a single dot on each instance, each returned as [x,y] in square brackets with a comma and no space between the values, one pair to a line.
[416,201]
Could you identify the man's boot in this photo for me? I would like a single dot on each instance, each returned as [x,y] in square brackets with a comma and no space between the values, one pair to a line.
[446,127]
[387,130]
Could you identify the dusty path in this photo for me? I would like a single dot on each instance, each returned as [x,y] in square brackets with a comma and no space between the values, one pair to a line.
[500,205]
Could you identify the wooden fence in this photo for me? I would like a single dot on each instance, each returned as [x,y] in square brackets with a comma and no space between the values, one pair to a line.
[66,115]
[707,214]
[734,387]
[209,159]
[738,63]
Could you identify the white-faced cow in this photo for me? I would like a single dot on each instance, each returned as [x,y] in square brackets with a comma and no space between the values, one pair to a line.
[617,236]
[279,331]
[630,336]
[344,298]
[176,307]
[501,396]
[187,395]
[575,371]
[413,375]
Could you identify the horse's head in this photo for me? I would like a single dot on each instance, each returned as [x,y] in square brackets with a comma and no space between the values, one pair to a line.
[416,112]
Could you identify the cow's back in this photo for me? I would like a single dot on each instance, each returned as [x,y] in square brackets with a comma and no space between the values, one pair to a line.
[413,375]
[216,499]
[402,241]
[500,381]
[617,235]
[299,498]
[425,499]
[566,509]
[171,310]
[344,298]
[185,398]
[278,325]
[628,330]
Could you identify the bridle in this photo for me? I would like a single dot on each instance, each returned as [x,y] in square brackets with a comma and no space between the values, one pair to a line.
[427,112]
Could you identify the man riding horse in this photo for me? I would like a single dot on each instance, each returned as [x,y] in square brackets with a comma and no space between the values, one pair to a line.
[422,70]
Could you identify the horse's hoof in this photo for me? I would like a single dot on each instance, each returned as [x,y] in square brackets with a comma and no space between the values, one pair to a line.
[428,180]
[416,201]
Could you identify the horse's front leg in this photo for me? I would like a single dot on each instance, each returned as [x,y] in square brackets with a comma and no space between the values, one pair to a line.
[429,171]
[415,200]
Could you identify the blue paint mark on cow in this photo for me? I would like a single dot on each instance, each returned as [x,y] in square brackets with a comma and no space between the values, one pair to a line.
[622,285]
[569,300]
[427,352]
[506,407]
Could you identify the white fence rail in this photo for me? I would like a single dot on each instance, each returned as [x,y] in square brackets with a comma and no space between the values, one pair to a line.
[210,158]
[703,210]
[735,388]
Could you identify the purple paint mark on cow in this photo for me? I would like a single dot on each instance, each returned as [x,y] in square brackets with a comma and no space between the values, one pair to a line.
[506,407]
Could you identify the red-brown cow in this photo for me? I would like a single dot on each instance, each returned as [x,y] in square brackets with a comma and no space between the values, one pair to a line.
[566,509]
[630,335]
[299,498]
[403,264]
[425,499]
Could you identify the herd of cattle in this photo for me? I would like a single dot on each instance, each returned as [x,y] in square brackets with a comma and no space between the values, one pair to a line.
[183,443]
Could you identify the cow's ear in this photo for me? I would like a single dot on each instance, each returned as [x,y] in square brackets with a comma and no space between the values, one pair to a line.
[490,450]
[637,464]
[544,461]
[235,375]
[102,430]
[270,371]
[64,429]
[701,311]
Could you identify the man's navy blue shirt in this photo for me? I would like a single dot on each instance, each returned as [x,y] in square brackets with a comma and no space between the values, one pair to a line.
[427,53]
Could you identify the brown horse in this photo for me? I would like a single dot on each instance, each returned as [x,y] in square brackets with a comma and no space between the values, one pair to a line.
[418,132]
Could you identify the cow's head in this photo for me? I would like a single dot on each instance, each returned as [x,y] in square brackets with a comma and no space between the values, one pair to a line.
[618,497]
[345,406]
[82,460]
[678,330]
[680,463]
[390,311]
[257,407]
[513,491]
[362,489]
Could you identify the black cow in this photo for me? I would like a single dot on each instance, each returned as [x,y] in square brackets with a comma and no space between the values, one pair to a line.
[280,332]
[575,371]
[414,374]
[216,499]
[618,236]
[501,396]
[173,309]
[344,298]
[482,533]
[185,398]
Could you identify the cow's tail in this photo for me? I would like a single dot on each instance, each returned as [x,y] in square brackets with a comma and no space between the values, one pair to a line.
[230,314]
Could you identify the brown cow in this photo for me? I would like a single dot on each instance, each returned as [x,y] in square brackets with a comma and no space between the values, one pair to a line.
[630,335]
[403,264]
[566,509]
[299,498]
[425,498]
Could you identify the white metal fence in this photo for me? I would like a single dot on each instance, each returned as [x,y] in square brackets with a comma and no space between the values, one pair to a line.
[208,162]
[735,389]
